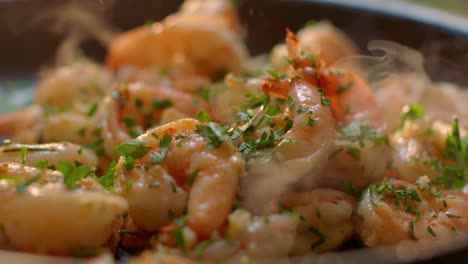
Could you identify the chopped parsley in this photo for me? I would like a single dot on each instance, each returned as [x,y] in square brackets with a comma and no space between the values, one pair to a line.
[22,187]
[73,174]
[192,177]
[343,88]
[162,103]
[360,131]
[276,75]
[107,181]
[323,99]
[411,112]
[213,133]
[198,250]
[431,231]
[203,116]
[23,152]
[131,150]
[290,102]
[302,109]
[92,110]
[164,144]
[453,174]
[42,164]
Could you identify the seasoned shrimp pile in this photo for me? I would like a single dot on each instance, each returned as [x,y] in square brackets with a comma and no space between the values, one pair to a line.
[183,148]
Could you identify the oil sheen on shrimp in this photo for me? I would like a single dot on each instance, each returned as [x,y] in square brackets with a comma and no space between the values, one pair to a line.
[189,168]
[394,211]
[40,214]
[53,153]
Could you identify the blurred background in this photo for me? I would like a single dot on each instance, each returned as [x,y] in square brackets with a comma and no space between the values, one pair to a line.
[455,6]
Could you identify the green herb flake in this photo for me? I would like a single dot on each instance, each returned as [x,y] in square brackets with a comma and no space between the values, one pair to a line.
[107,181]
[323,99]
[134,148]
[92,110]
[345,87]
[42,164]
[411,112]
[23,152]
[164,144]
[276,75]
[162,103]
[179,238]
[452,216]
[302,109]
[192,177]
[290,102]
[198,250]
[21,188]
[213,133]
[431,231]
[203,116]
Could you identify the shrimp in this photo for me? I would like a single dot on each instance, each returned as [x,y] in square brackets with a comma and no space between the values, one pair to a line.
[303,149]
[319,38]
[135,107]
[441,101]
[192,43]
[75,86]
[326,218]
[394,211]
[191,166]
[362,129]
[22,125]
[39,214]
[222,9]
[161,257]
[53,153]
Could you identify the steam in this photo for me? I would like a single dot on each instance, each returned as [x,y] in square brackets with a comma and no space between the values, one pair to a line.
[268,182]
[389,59]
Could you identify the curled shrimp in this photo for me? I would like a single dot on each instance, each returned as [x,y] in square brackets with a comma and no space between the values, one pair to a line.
[22,125]
[75,86]
[39,214]
[319,38]
[135,107]
[193,43]
[395,211]
[53,153]
[189,168]
[354,109]
[326,218]
[302,150]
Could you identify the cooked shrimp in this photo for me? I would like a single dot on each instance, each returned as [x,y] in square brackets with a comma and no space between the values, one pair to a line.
[190,167]
[75,86]
[441,101]
[221,9]
[53,153]
[354,110]
[39,214]
[135,107]
[193,43]
[326,219]
[394,211]
[320,38]
[161,257]
[22,125]
[304,148]
[263,236]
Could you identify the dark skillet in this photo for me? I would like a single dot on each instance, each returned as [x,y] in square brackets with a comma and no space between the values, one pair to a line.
[442,38]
